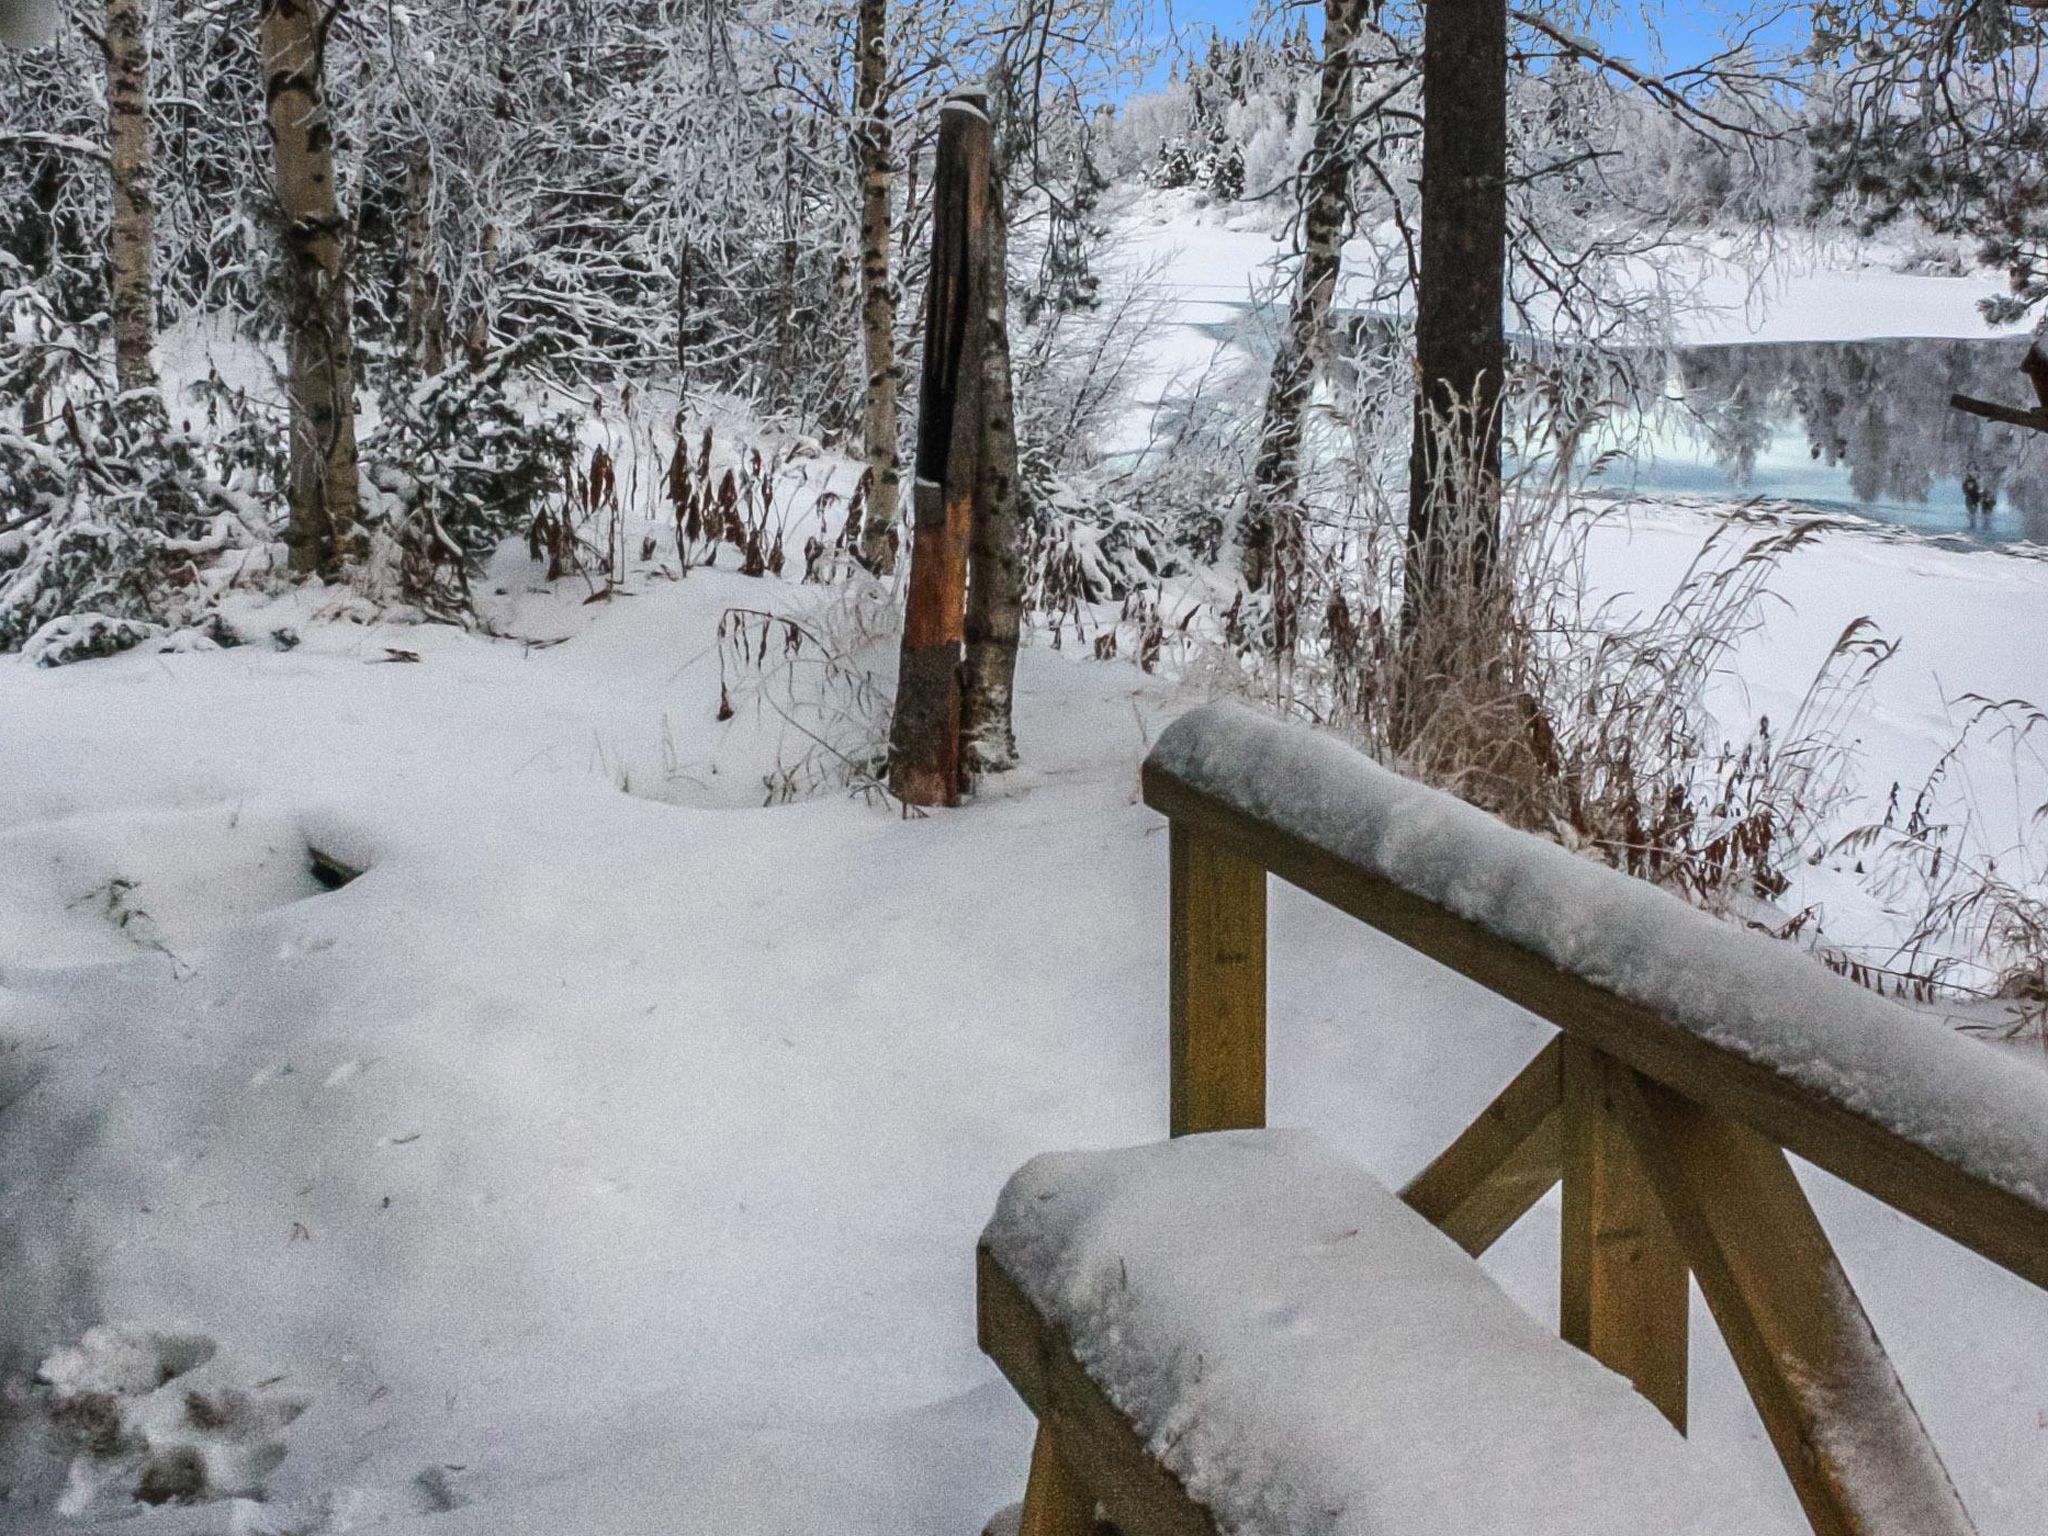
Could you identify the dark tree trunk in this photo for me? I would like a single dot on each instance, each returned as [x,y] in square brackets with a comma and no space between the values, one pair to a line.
[1460,343]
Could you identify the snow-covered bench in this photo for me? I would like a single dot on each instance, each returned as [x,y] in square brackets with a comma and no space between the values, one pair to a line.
[1238,1333]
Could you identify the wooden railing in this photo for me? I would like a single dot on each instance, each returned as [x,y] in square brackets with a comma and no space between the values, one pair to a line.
[1665,1109]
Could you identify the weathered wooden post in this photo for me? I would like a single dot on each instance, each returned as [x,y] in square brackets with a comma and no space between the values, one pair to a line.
[924,736]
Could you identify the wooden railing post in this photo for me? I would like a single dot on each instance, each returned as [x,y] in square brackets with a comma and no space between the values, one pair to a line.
[1855,1449]
[1623,1294]
[1217,959]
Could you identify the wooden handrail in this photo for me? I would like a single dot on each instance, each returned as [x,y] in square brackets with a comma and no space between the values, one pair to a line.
[2002,1215]
[1692,1056]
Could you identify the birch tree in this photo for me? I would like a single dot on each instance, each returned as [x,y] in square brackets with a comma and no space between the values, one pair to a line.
[995,551]
[872,145]
[320,371]
[1271,531]
[131,237]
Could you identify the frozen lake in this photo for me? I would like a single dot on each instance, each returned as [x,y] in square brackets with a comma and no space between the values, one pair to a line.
[1863,427]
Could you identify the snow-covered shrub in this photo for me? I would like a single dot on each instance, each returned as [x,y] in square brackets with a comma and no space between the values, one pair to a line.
[816,684]
[84,636]
[111,515]
[457,464]
[1083,548]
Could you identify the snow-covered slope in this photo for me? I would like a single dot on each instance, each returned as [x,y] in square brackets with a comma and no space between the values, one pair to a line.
[1217,261]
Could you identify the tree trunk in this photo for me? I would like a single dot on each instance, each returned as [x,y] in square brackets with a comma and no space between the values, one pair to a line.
[321,366]
[478,344]
[1272,533]
[131,240]
[425,323]
[872,148]
[924,735]
[1460,343]
[995,575]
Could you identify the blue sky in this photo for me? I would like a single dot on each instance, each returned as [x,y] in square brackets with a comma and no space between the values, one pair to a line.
[1676,32]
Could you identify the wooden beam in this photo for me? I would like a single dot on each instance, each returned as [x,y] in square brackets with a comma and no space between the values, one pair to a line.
[1991,410]
[1623,1296]
[1856,1451]
[1100,1448]
[1217,987]
[1054,1502]
[1502,1163]
[1852,1143]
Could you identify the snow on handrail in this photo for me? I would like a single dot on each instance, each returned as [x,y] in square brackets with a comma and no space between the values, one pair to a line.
[1907,1089]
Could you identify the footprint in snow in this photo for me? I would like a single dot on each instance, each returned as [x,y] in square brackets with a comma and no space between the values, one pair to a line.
[136,1431]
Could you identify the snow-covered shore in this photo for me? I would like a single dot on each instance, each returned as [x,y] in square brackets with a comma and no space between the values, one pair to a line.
[1215,263]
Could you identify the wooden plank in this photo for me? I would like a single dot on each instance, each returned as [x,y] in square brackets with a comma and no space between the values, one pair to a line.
[1217,968]
[2002,1226]
[1856,1451]
[1101,1449]
[1502,1163]
[1991,410]
[1054,1502]
[1623,1296]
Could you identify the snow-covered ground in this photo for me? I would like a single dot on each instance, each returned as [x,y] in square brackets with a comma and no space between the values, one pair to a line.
[610,1158]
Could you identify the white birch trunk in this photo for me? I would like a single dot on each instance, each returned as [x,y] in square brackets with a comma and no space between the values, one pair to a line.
[131,241]
[879,428]
[321,366]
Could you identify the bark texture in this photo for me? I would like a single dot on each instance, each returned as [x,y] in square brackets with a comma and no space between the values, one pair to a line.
[924,734]
[321,366]
[426,321]
[131,240]
[1271,533]
[1460,341]
[872,147]
[478,343]
[995,574]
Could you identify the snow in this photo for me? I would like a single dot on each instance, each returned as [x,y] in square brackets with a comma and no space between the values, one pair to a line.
[687,1110]
[1218,265]
[28,23]
[1814,299]
[1768,1001]
[1308,1355]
